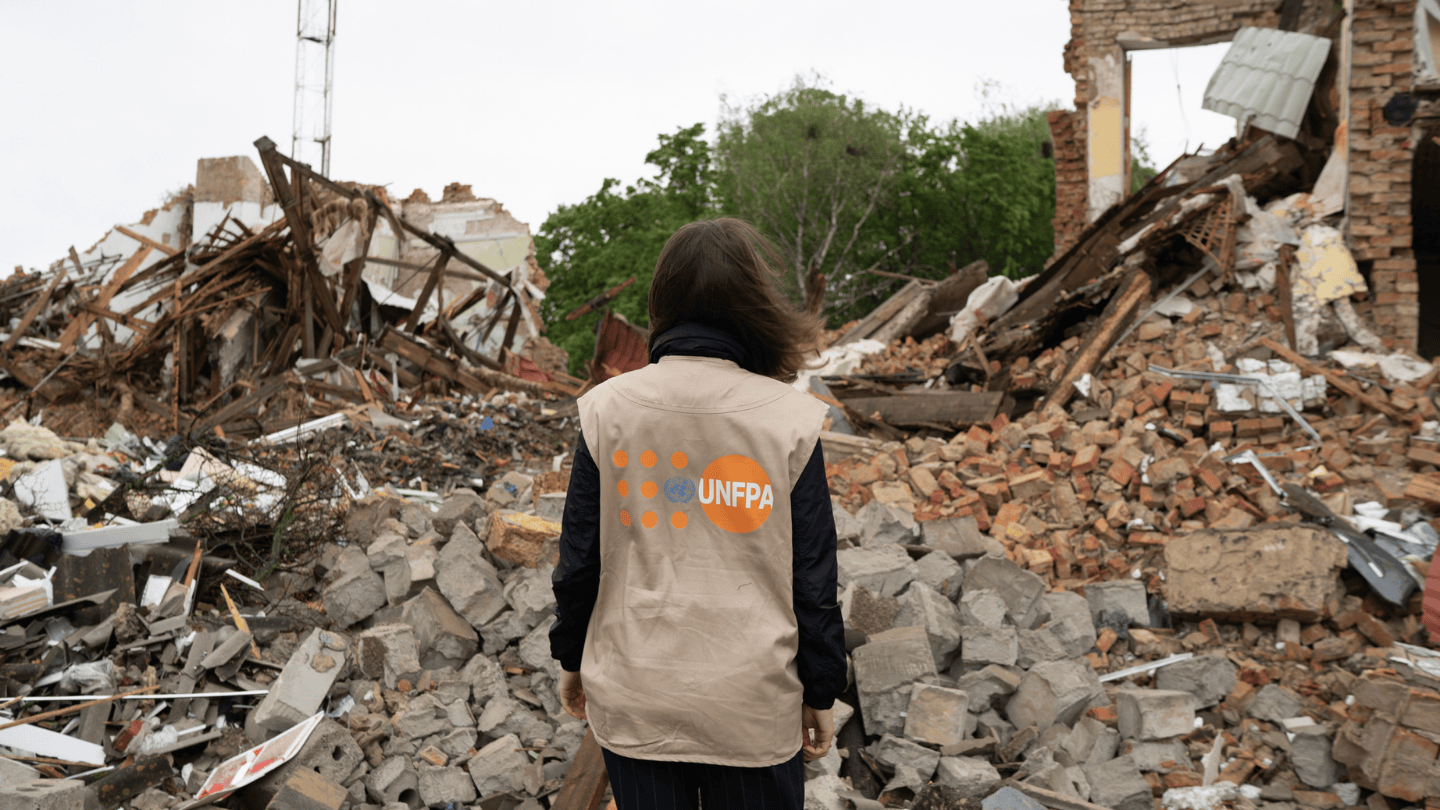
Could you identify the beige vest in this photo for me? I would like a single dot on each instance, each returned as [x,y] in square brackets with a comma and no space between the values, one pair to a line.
[690,653]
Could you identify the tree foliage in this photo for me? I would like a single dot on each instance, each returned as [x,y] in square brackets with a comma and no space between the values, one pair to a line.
[589,247]
[811,168]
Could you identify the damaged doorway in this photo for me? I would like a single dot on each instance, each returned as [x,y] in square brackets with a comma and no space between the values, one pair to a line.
[1167,86]
[1425,225]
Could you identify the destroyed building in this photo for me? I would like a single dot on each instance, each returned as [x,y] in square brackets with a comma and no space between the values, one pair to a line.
[1375,112]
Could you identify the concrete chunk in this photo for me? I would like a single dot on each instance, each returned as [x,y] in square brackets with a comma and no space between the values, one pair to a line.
[1038,645]
[1070,622]
[1208,677]
[1160,757]
[1124,595]
[1053,692]
[531,594]
[936,715]
[980,646]
[959,537]
[982,607]
[1020,589]
[972,776]
[1275,703]
[890,661]
[394,780]
[462,507]
[468,580]
[1274,571]
[355,592]
[885,570]
[1119,785]
[389,653]
[493,766]
[447,784]
[891,751]
[304,682]
[308,790]
[1155,714]
[443,637]
[940,571]
[1310,756]
[1008,798]
[48,794]
[924,606]
[883,524]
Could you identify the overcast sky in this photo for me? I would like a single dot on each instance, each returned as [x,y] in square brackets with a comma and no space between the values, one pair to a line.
[107,104]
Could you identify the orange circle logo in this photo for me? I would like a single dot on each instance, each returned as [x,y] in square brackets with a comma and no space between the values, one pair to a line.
[648,458]
[624,488]
[678,520]
[678,460]
[621,459]
[625,517]
[648,489]
[649,519]
[736,494]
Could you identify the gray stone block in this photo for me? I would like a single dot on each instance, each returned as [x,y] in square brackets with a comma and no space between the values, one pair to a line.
[972,776]
[892,751]
[1124,595]
[443,637]
[304,682]
[447,784]
[936,715]
[884,667]
[493,766]
[884,570]
[354,591]
[1020,589]
[980,646]
[1208,677]
[1310,757]
[986,687]
[468,580]
[394,780]
[959,537]
[48,794]
[1070,622]
[1053,692]
[463,507]
[1118,785]
[551,505]
[1089,742]
[940,571]
[1008,798]
[13,772]
[1160,757]
[1275,703]
[389,653]
[823,793]
[883,524]
[982,607]
[531,594]
[1038,645]
[924,606]
[423,717]
[1155,714]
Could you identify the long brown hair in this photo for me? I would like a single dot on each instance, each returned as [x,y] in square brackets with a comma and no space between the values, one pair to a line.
[722,273]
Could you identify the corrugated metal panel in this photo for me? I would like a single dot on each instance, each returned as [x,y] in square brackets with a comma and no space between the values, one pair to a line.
[1267,77]
[619,344]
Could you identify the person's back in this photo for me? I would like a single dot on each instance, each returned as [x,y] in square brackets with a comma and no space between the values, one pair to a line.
[696,587]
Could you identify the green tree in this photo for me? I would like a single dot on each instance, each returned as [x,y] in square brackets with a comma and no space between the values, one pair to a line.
[615,233]
[1142,167]
[811,169]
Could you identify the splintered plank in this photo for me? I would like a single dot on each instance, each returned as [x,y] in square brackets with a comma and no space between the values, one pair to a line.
[585,782]
[77,327]
[1097,343]
[145,240]
[958,407]
[1423,488]
[33,312]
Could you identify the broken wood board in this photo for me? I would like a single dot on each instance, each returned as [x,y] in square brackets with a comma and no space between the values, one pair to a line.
[957,407]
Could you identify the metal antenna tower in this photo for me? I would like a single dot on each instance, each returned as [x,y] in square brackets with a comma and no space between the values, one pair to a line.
[314,76]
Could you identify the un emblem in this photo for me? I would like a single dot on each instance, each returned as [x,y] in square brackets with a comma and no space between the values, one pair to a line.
[679,489]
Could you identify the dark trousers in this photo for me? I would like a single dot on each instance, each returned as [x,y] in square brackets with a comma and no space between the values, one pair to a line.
[643,784]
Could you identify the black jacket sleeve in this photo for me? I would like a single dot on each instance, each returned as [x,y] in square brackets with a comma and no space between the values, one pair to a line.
[576,580]
[821,658]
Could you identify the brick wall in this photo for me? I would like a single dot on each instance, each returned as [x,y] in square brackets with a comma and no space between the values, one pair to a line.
[1067,133]
[1381,160]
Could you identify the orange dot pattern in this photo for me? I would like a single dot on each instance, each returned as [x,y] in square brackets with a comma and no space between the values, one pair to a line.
[648,458]
[678,460]
[648,489]
[625,517]
[649,519]
[621,459]
[624,487]
[678,520]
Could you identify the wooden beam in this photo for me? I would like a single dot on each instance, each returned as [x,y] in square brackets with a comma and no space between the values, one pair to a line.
[1097,343]
[425,292]
[33,312]
[913,408]
[598,301]
[1345,384]
[77,327]
[145,240]
[1283,292]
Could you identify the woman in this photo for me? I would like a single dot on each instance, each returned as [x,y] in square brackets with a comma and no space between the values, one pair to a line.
[696,616]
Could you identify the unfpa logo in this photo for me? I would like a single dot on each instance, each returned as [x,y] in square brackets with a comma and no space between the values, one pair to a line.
[735,493]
